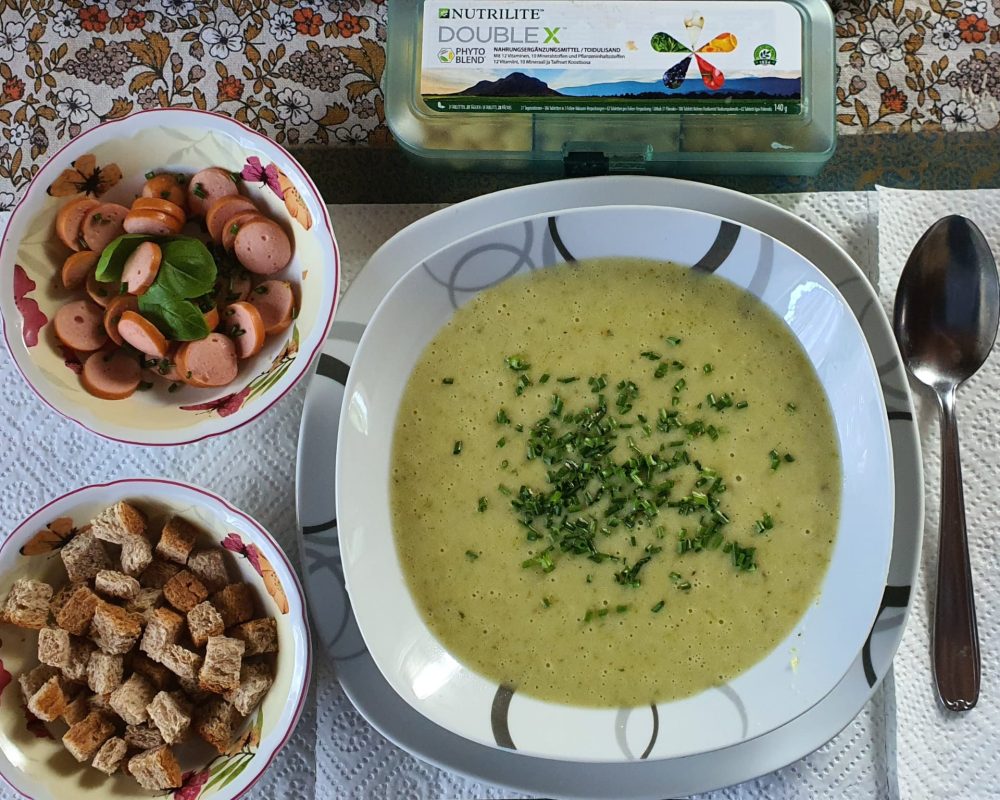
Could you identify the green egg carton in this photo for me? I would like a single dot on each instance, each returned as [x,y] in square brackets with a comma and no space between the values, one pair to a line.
[583,87]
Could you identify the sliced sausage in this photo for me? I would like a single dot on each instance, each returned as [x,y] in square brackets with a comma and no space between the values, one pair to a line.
[233,225]
[163,206]
[111,375]
[79,325]
[207,186]
[100,292]
[263,247]
[103,224]
[141,267]
[275,301]
[69,221]
[242,323]
[234,286]
[142,334]
[165,187]
[113,314]
[77,267]
[164,368]
[211,317]
[208,362]
[152,223]
[223,210]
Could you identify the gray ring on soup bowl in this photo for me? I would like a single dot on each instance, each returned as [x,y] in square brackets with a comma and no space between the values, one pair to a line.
[798,672]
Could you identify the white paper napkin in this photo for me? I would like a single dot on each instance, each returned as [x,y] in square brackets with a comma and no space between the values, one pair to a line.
[941,754]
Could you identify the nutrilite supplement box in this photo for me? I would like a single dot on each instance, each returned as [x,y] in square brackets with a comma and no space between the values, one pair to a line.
[586,87]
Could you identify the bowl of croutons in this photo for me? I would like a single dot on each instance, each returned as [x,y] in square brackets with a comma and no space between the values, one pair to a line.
[153,640]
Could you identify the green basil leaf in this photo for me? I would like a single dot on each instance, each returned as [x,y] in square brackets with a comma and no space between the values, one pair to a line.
[177,318]
[113,257]
[187,268]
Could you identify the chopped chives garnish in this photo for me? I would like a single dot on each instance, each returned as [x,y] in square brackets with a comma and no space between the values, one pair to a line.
[661,369]
[502,417]
[501,441]
[199,191]
[651,355]
[791,407]
[680,385]
[568,380]
[621,609]
[483,504]
[708,368]
[445,381]
[472,556]
[789,458]
[457,447]
[673,341]
[775,459]
[517,364]
[150,175]
[764,524]
[547,601]
[742,404]
[545,378]
[658,607]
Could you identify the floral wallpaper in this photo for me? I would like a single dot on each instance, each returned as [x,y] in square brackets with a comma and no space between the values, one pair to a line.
[310,72]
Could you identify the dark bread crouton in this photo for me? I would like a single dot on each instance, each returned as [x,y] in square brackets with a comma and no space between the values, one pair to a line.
[114,629]
[156,769]
[53,647]
[235,603]
[136,556]
[112,583]
[110,756]
[77,611]
[104,672]
[77,708]
[27,604]
[182,662]
[209,565]
[33,680]
[163,629]
[155,673]
[216,721]
[129,700]
[143,737]
[220,671]
[177,540]
[184,591]
[84,556]
[156,575]
[49,702]
[62,594]
[255,681]
[85,738]
[259,635]
[170,712]
[119,523]
[204,621]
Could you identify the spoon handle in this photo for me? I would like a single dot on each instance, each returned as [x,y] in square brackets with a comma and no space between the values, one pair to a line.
[956,639]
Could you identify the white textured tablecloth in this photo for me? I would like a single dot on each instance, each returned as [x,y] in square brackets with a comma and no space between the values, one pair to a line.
[334,752]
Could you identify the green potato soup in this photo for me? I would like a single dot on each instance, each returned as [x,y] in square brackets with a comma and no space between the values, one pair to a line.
[614,483]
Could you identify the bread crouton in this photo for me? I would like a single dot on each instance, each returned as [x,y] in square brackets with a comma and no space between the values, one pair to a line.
[177,540]
[209,565]
[156,769]
[156,575]
[84,556]
[129,700]
[155,673]
[216,721]
[145,603]
[220,671]
[136,556]
[184,591]
[77,611]
[33,680]
[53,647]
[143,737]
[114,629]
[85,738]
[182,662]
[170,712]
[259,635]
[77,708]
[27,604]
[110,756]
[235,603]
[78,662]
[255,681]
[112,583]
[119,523]
[204,621]
[163,629]
[104,672]
[49,702]
[62,594]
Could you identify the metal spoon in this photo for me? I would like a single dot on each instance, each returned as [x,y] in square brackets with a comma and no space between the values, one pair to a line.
[946,318]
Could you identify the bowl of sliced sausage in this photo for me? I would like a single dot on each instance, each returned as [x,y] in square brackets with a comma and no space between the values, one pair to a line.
[167,277]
